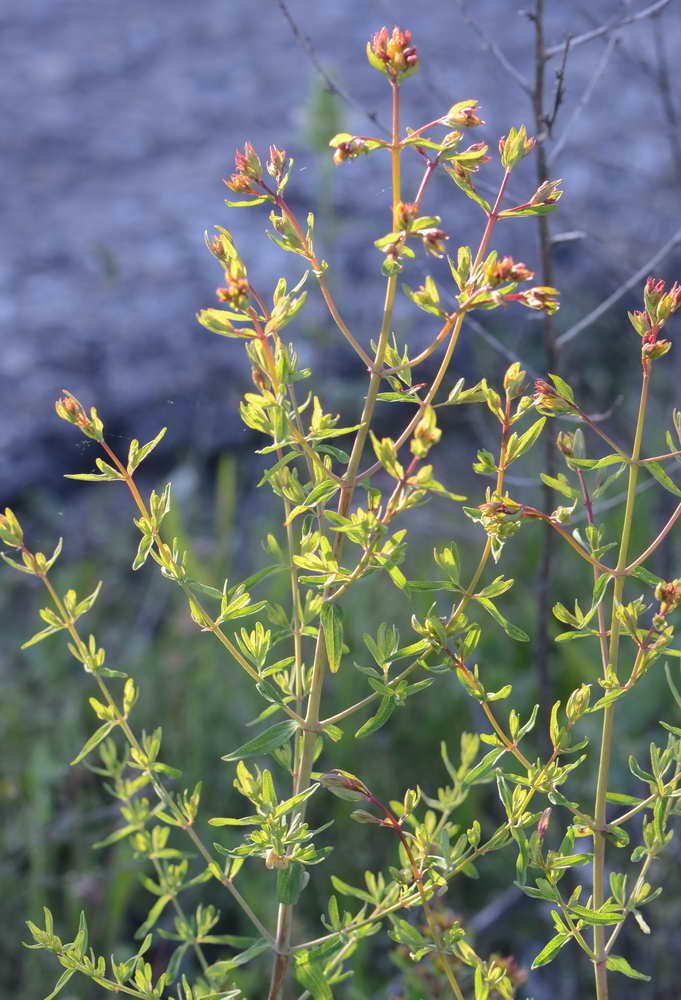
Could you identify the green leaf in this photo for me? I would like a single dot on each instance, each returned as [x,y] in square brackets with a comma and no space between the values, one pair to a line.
[550,950]
[657,472]
[331,618]
[349,890]
[571,860]
[92,742]
[511,630]
[596,463]
[153,915]
[385,710]
[597,917]
[43,634]
[290,883]
[311,975]
[483,768]
[526,440]
[267,741]
[106,474]
[60,984]
[234,821]
[137,454]
[616,963]
[219,968]
[646,576]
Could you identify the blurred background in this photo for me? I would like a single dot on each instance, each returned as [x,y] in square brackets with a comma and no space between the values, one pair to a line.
[120,121]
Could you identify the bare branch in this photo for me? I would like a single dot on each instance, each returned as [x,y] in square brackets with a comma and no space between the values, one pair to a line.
[308,48]
[560,88]
[606,29]
[586,96]
[600,310]
[489,45]
[663,77]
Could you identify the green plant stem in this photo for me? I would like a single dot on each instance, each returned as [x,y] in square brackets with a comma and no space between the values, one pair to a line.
[311,724]
[602,636]
[600,971]
[656,542]
[498,489]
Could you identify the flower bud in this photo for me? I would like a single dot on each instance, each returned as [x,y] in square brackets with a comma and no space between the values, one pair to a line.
[348,147]
[248,172]
[502,271]
[69,409]
[10,529]
[426,434]
[669,596]
[275,860]
[515,146]
[565,443]
[405,213]
[546,194]
[543,824]
[578,703]
[549,401]
[362,816]
[543,298]
[248,162]
[514,379]
[345,785]
[434,240]
[276,163]
[463,113]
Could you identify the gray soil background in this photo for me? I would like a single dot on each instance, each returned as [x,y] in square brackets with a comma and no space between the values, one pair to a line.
[120,119]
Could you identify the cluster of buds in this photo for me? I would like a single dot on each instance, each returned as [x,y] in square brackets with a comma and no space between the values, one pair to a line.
[549,401]
[500,272]
[248,172]
[659,305]
[426,434]
[407,220]
[68,408]
[392,53]
[501,517]
[669,596]
[350,149]
[236,289]
[515,146]
[542,297]
[464,114]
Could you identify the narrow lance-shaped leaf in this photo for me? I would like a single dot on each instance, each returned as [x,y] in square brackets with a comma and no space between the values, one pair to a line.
[331,618]
[93,741]
[550,950]
[267,741]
